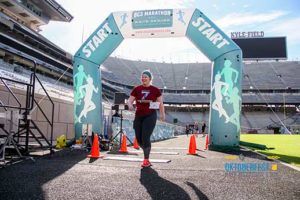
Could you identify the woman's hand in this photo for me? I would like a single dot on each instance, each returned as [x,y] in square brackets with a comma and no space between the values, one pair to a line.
[130,103]
[162,118]
[130,108]
[161,109]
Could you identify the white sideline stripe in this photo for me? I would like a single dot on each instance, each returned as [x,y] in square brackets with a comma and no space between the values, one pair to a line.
[156,152]
[289,165]
[278,161]
[135,159]
[170,148]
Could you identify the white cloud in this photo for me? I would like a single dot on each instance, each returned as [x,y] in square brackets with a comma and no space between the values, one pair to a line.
[215,6]
[237,19]
[289,28]
[156,4]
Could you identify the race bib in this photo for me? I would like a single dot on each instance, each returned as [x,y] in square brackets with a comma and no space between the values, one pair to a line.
[154,105]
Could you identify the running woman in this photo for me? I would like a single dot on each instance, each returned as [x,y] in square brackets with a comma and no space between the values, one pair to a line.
[145,115]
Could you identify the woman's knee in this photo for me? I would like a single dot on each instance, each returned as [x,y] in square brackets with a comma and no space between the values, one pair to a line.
[149,124]
[146,143]
[139,139]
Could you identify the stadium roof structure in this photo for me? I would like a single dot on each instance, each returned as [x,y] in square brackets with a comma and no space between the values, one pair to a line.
[35,13]
[55,11]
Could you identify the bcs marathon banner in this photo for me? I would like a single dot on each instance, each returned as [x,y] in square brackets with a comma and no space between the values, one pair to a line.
[153,23]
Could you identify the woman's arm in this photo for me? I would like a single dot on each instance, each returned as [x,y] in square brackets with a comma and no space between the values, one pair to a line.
[130,103]
[161,108]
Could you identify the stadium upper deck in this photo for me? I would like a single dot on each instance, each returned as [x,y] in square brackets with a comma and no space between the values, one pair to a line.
[19,26]
[34,14]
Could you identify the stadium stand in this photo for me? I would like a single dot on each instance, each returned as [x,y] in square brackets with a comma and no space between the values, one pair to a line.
[31,67]
[197,76]
[265,83]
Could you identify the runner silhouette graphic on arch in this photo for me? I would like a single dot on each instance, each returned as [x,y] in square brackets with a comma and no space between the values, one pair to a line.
[228,72]
[217,104]
[89,105]
[79,78]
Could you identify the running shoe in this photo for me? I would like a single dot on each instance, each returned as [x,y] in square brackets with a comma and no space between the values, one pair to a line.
[146,163]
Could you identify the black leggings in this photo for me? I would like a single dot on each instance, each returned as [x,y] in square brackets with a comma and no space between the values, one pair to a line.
[144,127]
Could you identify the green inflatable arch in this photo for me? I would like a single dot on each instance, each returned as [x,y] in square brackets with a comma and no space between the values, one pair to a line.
[226,56]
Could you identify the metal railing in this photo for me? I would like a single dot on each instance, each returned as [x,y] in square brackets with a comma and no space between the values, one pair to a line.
[25,124]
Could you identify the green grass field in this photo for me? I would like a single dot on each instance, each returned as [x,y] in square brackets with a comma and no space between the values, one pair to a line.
[284,147]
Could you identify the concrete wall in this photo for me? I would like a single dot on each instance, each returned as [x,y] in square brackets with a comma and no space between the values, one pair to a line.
[63,112]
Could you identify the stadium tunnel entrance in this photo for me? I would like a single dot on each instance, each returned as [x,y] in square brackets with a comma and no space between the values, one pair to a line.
[226,57]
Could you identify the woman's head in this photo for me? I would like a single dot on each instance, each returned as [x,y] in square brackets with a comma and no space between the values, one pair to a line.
[146,78]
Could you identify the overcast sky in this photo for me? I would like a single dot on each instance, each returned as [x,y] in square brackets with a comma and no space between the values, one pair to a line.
[274,17]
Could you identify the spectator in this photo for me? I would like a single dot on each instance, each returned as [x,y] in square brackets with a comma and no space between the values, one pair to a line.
[187,130]
[203,129]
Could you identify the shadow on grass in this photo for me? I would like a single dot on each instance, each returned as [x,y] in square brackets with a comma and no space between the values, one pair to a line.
[241,154]
[286,158]
[244,153]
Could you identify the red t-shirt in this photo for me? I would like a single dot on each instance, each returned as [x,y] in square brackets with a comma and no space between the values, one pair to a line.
[144,93]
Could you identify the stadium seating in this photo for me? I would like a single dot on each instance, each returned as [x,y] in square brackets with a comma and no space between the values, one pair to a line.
[55,88]
[190,83]
[197,76]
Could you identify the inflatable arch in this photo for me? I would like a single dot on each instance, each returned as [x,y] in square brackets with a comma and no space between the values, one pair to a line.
[225,100]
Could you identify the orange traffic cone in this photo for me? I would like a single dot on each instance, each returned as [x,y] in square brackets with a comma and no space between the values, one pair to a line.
[123,148]
[135,144]
[95,153]
[206,142]
[193,146]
